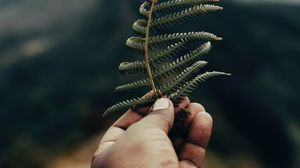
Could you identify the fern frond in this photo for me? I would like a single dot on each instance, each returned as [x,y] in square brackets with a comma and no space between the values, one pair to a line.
[158,57]
[132,86]
[167,69]
[166,6]
[191,85]
[175,83]
[139,42]
[177,17]
[143,11]
[139,26]
[164,70]
[187,36]
[166,75]
[166,54]
[183,61]
[136,43]
[132,67]
[129,104]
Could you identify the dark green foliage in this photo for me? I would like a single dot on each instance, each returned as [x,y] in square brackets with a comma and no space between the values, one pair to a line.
[173,75]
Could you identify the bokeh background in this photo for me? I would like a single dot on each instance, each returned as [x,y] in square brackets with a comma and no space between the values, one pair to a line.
[58,70]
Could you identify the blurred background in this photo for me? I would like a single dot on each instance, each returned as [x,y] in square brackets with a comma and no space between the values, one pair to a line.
[58,70]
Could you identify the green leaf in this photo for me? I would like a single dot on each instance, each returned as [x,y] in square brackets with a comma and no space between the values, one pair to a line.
[177,17]
[163,71]
[173,78]
[140,26]
[132,67]
[136,43]
[191,85]
[143,11]
[169,5]
[183,77]
[124,105]
[133,86]
[183,61]
[167,53]
[186,36]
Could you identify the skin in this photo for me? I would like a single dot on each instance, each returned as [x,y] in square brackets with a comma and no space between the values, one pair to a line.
[139,139]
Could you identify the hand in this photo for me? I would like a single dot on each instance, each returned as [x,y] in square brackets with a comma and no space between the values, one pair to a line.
[139,139]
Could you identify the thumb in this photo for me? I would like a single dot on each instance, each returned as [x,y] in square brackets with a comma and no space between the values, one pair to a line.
[162,115]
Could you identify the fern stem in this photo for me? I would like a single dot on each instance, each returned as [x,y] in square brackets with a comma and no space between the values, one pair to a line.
[149,72]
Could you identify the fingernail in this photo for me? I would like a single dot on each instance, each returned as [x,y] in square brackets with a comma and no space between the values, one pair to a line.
[161,104]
